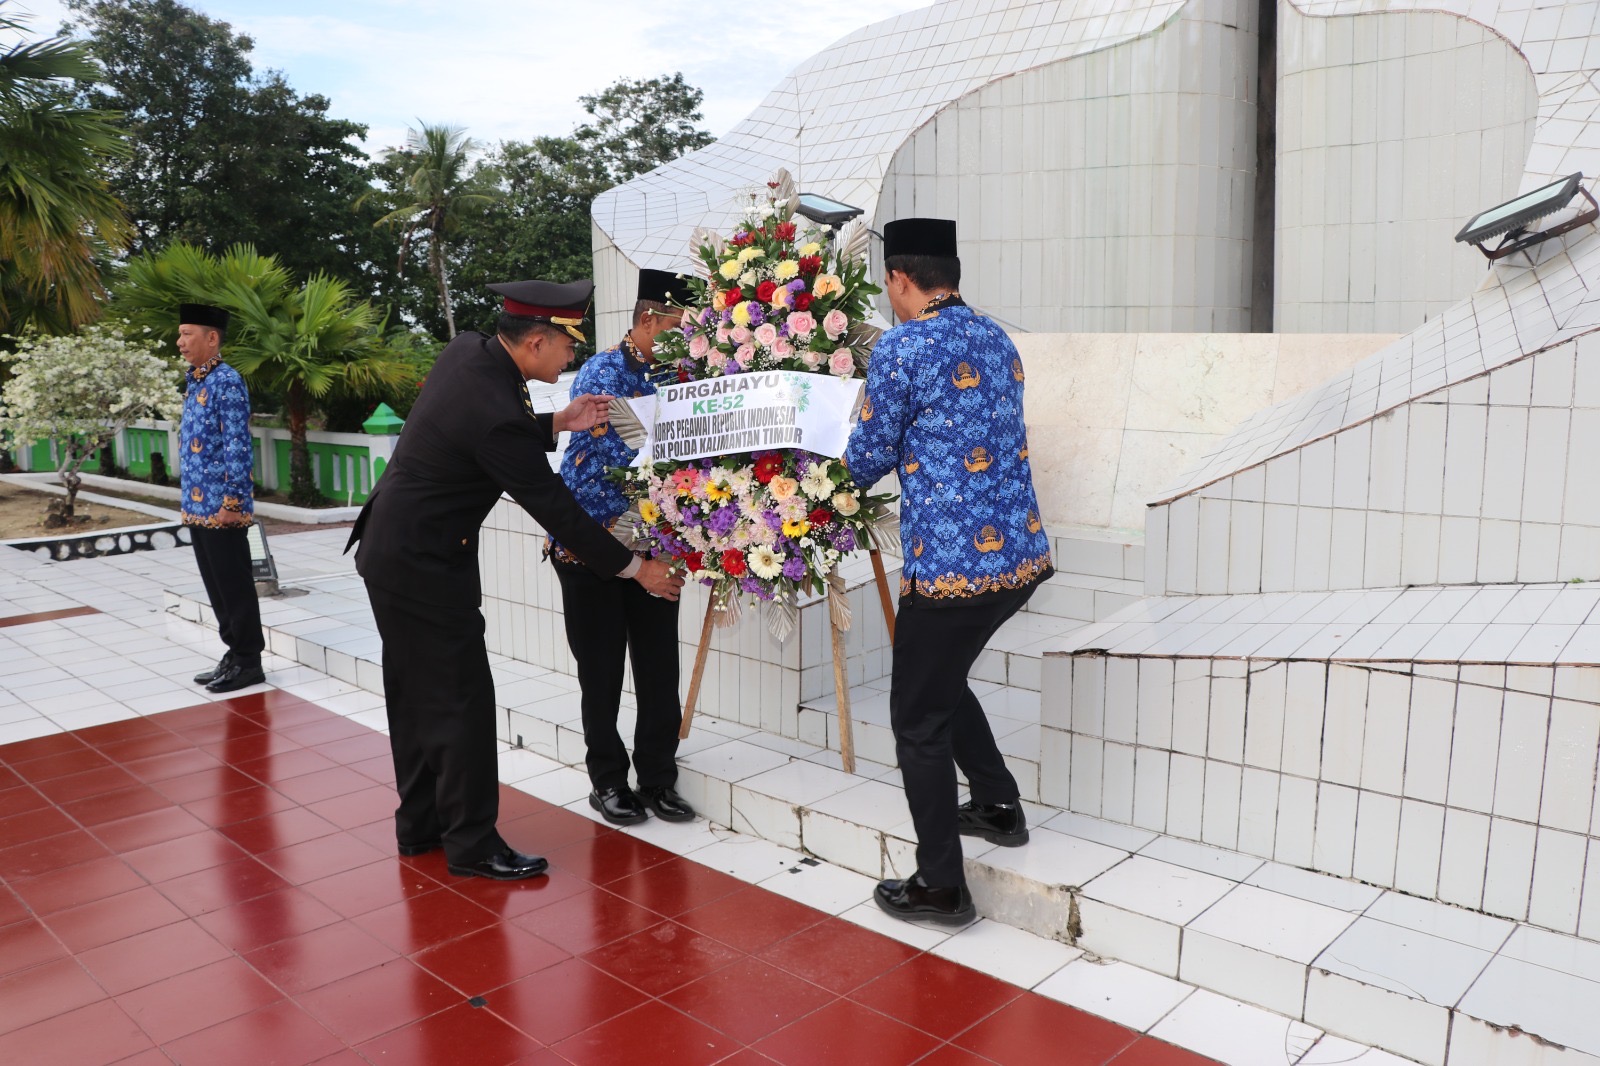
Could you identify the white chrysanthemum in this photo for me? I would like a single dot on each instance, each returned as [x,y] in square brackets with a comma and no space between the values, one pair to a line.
[751,253]
[817,484]
[764,562]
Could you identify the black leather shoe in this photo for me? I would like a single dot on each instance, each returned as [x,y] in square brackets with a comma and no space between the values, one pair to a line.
[913,901]
[619,806]
[413,850]
[208,676]
[668,805]
[998,823]
[508,865]
[237,675]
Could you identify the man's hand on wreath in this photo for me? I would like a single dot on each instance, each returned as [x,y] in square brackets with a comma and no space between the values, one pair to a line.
[583,412]
[658,578]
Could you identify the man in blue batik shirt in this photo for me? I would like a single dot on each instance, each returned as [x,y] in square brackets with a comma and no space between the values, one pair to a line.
[214,467]
[944,410]
[608,619]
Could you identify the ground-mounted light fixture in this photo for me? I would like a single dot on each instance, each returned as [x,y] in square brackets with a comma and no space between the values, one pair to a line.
[825,212]
[1513,218]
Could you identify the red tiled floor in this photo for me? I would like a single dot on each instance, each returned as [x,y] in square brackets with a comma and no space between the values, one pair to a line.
[218,884]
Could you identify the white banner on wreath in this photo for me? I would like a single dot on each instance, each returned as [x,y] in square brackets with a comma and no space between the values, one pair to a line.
[747,413]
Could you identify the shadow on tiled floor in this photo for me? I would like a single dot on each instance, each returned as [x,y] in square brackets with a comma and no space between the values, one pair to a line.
[217,884]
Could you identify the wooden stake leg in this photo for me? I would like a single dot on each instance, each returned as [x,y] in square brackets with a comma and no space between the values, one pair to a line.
[883,591]
[699,666]
[841,688]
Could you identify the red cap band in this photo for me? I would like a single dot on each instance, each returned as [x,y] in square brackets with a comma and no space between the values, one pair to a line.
[517,307]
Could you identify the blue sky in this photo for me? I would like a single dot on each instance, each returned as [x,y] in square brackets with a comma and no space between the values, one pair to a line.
[513,69]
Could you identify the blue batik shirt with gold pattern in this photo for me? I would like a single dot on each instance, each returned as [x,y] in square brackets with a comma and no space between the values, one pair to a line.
[215,450]
[944,409]
[619,371]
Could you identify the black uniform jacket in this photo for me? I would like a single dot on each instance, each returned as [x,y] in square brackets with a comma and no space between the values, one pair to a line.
[471,436]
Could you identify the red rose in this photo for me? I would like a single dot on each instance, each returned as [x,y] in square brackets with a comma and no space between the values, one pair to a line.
[765,290]
[768,467]
[810,264]
[732,297]
[683,374]
[733,562]
[695,561]
[802,301]
[820,517]
[786,231]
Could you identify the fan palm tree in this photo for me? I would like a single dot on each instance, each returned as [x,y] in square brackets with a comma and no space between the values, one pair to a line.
[56,210]
[438,191]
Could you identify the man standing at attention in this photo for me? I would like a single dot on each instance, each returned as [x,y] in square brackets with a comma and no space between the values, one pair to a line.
[218,493]
[608,619]
[472,435]
[944,408]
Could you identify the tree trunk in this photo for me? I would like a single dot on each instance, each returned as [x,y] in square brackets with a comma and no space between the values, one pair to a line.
[436,254]
[302,486]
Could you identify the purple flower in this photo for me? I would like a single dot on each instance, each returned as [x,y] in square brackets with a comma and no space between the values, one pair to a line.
[844,540]
[723,520]
[751,583]
[794,568]
[705,464]
[773,519]
[783,328]
[796,285]
[727,318]
[757,316]
[802,463]
[707,317]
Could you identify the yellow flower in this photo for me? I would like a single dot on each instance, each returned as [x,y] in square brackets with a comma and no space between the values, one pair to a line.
[731,269]
[810,249]
[796,527]
[826,285]
[741,314]
[717,491]
[786,270]
[750,253]
[649,512]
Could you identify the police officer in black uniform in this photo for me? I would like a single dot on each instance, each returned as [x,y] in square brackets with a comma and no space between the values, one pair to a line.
[472,435]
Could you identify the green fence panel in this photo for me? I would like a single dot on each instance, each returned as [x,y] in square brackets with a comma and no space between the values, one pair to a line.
[341,472]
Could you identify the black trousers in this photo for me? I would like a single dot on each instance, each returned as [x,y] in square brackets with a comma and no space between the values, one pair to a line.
[608,618]
[939,724]
[440,697]
[224,559]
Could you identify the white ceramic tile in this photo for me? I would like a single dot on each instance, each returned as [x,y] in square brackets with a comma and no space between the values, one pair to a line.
[1171,893]
[1557,1006]
[1364,1011]
[1008,953]
[1057,859]
[824,886]
[1234,1032]
[1122,993]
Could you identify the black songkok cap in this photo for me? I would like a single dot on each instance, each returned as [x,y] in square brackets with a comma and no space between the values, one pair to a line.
[563,305]
[202,315]
[920,236]
[664,287]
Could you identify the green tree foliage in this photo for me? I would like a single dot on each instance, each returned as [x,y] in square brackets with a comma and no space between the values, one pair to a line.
[223,155]
[305,343]
[57,214]
[638,125]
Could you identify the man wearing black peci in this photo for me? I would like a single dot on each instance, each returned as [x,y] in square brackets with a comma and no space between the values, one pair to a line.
[472,435]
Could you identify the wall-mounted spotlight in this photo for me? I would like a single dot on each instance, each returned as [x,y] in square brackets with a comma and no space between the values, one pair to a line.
[1513,218]
[825,212]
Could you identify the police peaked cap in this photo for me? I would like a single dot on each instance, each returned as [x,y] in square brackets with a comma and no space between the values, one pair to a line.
[920,236]
[564,305]
[664,287]
[202,315]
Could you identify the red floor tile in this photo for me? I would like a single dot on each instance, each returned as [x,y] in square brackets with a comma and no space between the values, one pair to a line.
[41,747]
[267,919]
[319,957]
[8,776]
[62,764]
[167,765]
[480,962]
[425,921]
[320,732]
[121,805]
[606,857]
[12,909]
[225,885]
[376,1001]
[506,899]
[653,1032]
[837,955]
[662,958]
[26,944]
[44,991]
[847,1032]
[1035,1031]
[461,1034]
[75,885]
[197,1000]
[227,798]
[291,1034]
[752,918]
[564,999]
[279,829]
[1148,1051]
[749,999]
[108,920]
[80,786]
[936,995]
[587,920]
[183,855]
[282,766]
[373,803]
[21,799]
[312,860]
[380,768]
[324,784]
[371,887]
[358,748]
[89,1036]
[145,958]
[33,826]
[51,853]
[675,886]
[152,827]
[145,746]
[951,1055]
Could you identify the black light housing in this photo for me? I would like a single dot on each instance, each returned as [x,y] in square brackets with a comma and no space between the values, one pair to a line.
[824,211]
[1513,217]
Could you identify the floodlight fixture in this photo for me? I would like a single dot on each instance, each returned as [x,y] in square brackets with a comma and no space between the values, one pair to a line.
[1513,218]
[826,212]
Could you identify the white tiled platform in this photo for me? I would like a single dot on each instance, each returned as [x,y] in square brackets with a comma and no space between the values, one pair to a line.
[1298,963]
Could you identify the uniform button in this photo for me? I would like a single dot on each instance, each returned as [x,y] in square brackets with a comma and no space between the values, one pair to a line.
[463,540]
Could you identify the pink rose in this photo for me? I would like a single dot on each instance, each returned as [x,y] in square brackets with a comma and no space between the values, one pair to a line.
[745,353]
[842,363]
[688,319]
[766,334]
[740,335]
[811,358]
[801,324]
[782,348]
[716,358]
[699,346]
[834,323]
[722,334]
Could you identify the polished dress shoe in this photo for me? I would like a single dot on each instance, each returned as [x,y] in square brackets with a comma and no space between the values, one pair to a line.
[237,675]
[507,865]
[998,823]
[668,805]
[413,850]
[619,806]
[913,900]
[207,676]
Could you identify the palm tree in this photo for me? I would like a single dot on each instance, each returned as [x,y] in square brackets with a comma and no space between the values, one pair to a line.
[305,343]
[56,210]
[439,190]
